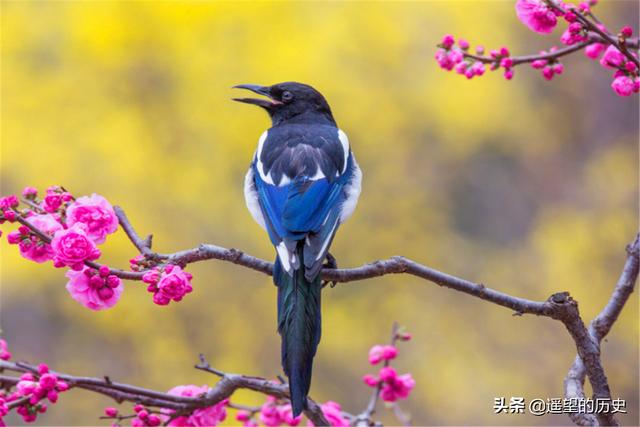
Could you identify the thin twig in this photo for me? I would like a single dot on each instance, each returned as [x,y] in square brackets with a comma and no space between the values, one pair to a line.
[366,417]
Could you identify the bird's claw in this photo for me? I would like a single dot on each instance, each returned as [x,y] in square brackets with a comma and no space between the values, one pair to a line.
[331,263]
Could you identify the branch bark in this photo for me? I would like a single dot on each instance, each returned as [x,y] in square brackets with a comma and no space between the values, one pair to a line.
[120,392]
[599,328]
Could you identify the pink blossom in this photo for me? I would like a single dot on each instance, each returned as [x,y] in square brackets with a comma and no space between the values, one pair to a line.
[375,354]
[569,37]
[594,50]
[370,380]
[9,215]
[478,68]
[5,354]
[25,387]
[136,263]
[448,41]
[387,373]
[151,277]
[243,415]
[32,247]
[286,414]
[626,31]
[204,417]
[461,67]
[536,15]
[93,291]
[623,85]
[333,413]
[570,16]
[378,353]
[464,45]
[508,74]
[269,415]
[29,193]
[539,64]
[612,58]
[96,213]
[54,198]
[448,59]
[71,247]
[9,202]
[272,414]
[395,386]
[547,72]
[172,284]
[110,412]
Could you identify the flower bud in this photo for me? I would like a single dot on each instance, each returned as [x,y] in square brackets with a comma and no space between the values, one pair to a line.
[104,271]
[96,282]
[105,293]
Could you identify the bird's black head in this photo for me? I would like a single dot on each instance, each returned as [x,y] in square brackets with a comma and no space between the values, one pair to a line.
[290,102]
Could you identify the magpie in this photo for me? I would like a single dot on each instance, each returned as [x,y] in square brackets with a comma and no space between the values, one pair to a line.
[302,184]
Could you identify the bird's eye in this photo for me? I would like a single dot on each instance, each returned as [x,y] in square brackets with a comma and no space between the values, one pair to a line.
[287,96]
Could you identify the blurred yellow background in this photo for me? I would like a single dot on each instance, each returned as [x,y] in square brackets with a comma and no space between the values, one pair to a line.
[527,186]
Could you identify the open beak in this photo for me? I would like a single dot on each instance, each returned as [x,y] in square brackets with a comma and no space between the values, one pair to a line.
[261,90]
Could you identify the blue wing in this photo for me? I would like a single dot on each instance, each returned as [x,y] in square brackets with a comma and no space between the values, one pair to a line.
[303,209]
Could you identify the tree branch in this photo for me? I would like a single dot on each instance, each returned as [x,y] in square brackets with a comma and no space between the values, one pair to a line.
[517,60]
[600,327]
[559,306]
[223,389]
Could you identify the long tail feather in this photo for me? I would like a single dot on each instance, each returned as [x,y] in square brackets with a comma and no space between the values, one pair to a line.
[299,326]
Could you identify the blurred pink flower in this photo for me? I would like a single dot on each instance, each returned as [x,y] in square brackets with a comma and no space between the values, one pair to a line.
[96,213]
[623,85]
[612,58]
[536,15]
[71,247]
[370,380]
[448,41]
[8,202]
[573,34]
[594,50]
[333,413]
[273,415]
[382,352]
[93,291]
[5,354]
[29,192]
[395,386]
[448,59]
[204,417]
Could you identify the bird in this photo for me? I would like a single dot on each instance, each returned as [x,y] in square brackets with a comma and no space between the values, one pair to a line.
[302,184]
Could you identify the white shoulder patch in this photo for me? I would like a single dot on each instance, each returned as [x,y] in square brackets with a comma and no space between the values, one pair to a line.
[344,140]
[251,199]
[352,192]
[266,178]
[283,254]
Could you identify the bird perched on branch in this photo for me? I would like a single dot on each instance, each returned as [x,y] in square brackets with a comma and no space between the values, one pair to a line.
[302,184]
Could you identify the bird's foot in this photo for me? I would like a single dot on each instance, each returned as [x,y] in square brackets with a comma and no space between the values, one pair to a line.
[331,263]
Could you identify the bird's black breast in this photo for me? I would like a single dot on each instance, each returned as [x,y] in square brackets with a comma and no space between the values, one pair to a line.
[297,150]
